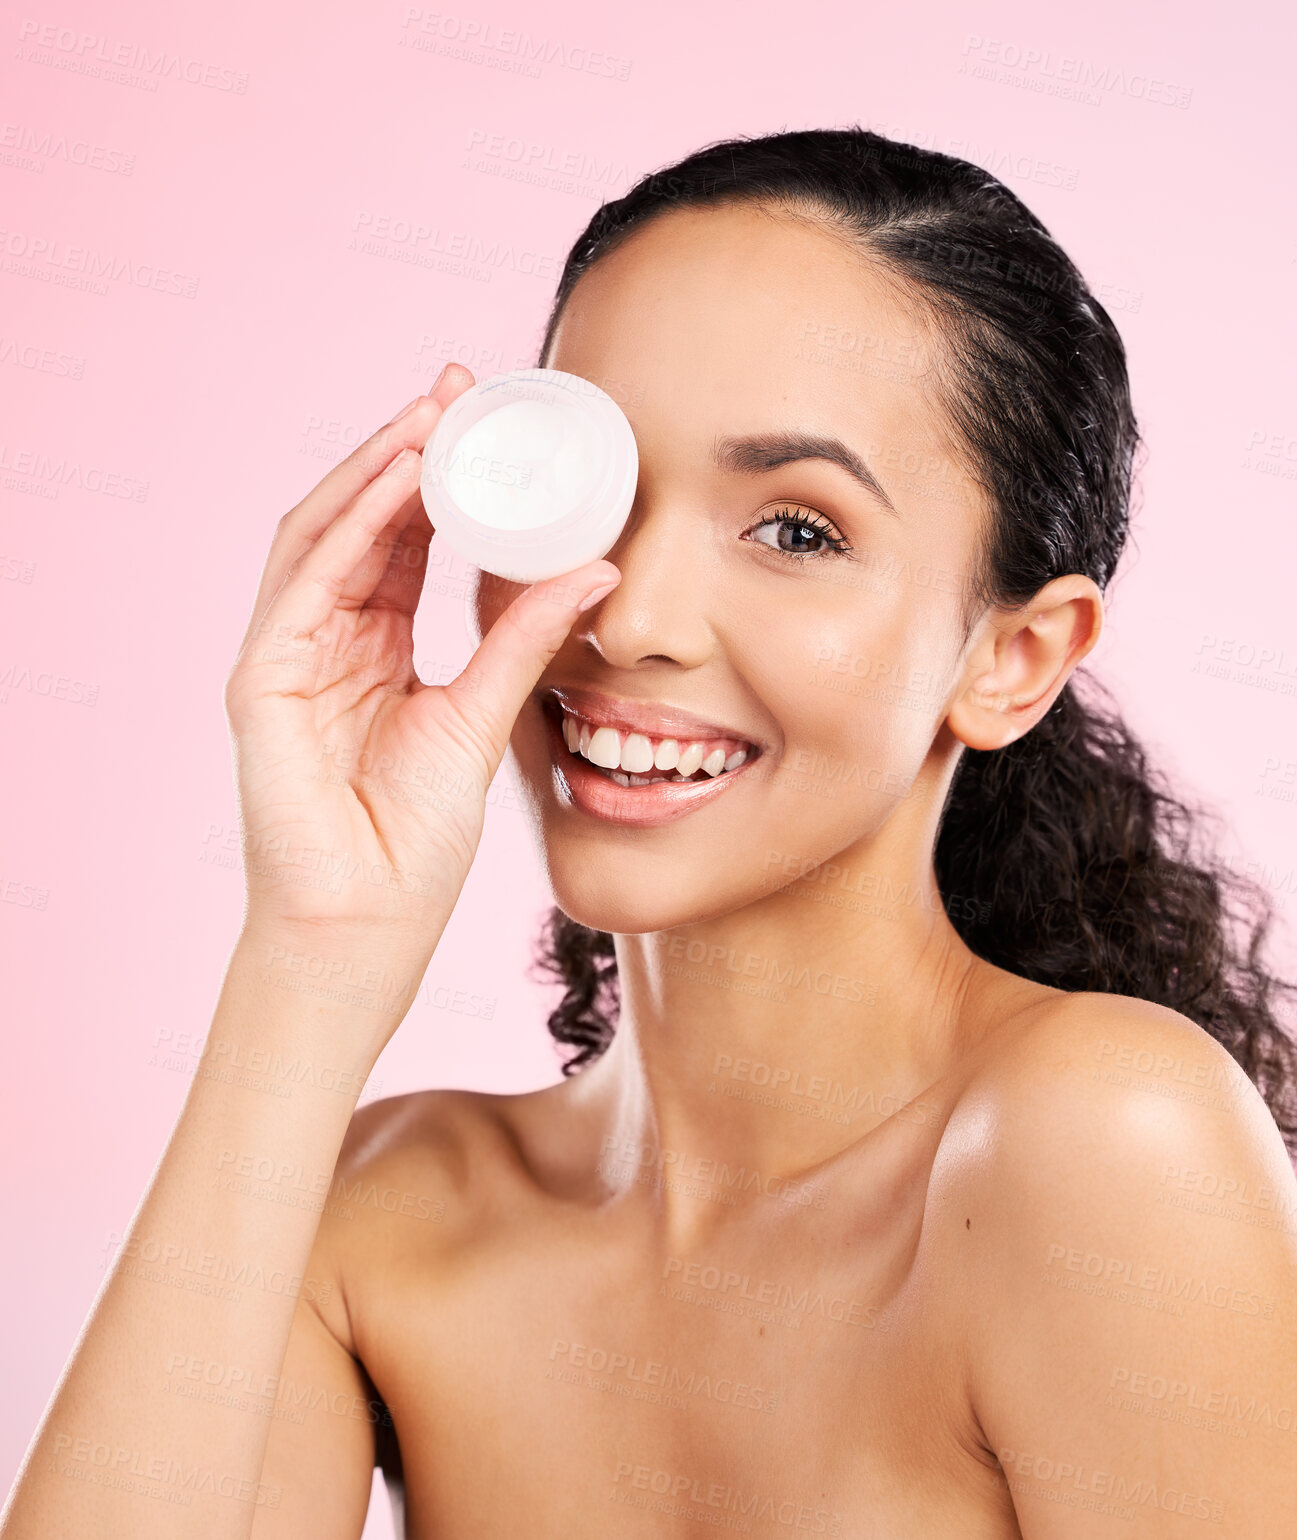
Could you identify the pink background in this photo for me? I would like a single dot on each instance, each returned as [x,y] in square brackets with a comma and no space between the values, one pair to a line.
[306,186]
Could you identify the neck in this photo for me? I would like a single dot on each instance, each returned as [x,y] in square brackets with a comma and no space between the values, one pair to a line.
[774,1037]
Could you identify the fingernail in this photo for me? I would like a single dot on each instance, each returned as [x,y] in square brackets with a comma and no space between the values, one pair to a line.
[439,378]
[594,598]
[406,410]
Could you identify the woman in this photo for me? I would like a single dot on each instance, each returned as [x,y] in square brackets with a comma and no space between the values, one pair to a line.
[934,1181]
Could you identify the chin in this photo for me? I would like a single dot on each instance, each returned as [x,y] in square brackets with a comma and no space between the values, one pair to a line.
[624,907]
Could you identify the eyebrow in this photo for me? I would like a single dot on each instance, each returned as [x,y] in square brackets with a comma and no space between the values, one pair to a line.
[759,452]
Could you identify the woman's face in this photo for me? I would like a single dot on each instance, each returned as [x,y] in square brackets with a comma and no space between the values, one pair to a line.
[840,666]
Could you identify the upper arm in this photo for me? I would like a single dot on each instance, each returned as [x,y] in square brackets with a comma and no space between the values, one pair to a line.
[325,1427]
[1129,1244]
[330,1425]
[319,1463]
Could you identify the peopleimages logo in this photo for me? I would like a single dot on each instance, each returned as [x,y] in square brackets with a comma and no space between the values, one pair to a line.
[651,1373]
[679,1490]
[207,1272]
[799,1299]
[837,1094]
[628,1154]
[61,470]
[782,971]
[1153,1280]
[1063,1480]
[51,260]
[1176,1400]
[476,39]
[480,467]
[91,53]
[1040,69]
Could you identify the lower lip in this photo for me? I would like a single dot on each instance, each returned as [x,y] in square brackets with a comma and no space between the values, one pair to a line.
[639,806]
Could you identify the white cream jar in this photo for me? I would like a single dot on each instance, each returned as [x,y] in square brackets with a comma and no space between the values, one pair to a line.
[530,474]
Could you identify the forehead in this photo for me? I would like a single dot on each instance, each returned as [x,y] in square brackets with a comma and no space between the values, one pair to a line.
[736,318]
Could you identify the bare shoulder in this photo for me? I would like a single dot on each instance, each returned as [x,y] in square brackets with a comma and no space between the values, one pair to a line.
[457,1150]
[1091,1091]
[1119,1223]
[1083,1068]
[413,1174]
[451,1131]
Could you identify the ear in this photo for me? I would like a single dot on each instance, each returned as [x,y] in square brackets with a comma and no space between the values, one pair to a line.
[1022,659]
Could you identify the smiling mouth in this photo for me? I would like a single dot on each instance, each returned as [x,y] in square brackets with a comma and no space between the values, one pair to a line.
[641,759]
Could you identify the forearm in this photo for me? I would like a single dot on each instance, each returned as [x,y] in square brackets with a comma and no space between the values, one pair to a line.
[206,1278]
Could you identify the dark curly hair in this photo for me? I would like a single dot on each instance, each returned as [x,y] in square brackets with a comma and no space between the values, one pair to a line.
[1075,864]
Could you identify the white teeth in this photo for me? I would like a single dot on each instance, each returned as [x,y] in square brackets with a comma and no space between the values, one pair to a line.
[636,753]
[690,759]
[605,748]
[628,758]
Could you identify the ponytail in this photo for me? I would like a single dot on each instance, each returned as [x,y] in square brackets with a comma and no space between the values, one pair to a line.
[1086,873]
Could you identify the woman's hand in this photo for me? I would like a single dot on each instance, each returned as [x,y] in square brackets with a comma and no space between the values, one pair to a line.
[361,789]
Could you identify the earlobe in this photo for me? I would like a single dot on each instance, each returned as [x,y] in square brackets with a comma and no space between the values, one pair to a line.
[1020,666]
[990,719]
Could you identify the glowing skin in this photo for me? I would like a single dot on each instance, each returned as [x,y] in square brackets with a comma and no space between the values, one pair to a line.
[791,1241]
[784,1242]
[842,667]
[849,1233]
[658,1218]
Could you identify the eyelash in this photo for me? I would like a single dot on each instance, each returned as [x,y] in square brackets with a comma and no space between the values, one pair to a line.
[815,522]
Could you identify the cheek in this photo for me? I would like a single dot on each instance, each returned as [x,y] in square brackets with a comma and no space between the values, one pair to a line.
[861,680]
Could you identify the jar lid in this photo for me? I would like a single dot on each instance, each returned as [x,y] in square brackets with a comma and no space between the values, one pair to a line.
[531,473]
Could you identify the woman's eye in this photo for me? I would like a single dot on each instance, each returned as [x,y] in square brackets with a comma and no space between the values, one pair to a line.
[796,533]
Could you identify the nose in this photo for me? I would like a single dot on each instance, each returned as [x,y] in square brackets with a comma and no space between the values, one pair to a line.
[659,612]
